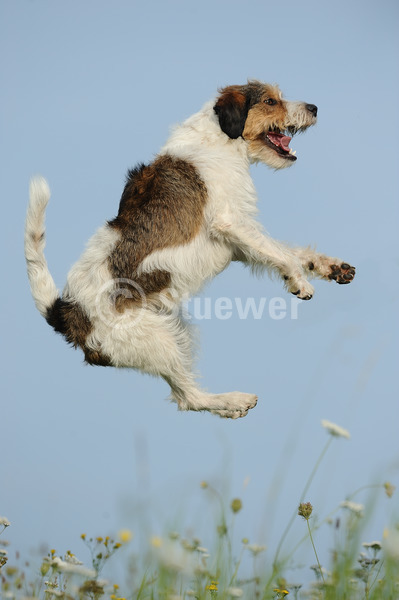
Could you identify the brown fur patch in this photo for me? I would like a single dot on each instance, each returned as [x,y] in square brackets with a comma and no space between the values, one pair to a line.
[262,117]
[69,319]
[248,94]
[92,357]
[78,325]
[161,207]
[144,288]
[233,94]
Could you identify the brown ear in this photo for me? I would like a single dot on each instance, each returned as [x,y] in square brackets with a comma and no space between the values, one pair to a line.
[232,109]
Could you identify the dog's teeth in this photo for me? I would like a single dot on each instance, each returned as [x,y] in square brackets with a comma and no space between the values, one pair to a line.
[293,152]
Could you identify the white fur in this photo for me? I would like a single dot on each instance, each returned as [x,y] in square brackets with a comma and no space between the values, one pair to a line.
[152,337]
[44,290]
[296,114]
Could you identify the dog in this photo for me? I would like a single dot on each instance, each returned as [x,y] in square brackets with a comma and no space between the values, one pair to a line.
[182,219]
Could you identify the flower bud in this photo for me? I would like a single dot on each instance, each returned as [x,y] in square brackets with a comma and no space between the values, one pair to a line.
[305,510]
[236,505]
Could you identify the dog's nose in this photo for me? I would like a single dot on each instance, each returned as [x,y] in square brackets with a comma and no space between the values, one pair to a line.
[312,108]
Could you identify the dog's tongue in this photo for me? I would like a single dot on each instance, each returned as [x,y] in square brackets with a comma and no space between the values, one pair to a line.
[278,139]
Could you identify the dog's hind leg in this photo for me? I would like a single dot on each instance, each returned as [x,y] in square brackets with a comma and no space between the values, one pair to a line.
[184,389]
[162,345]
[230,405]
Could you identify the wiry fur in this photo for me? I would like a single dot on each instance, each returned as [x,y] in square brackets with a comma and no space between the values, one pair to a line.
[181,221]
[44,290]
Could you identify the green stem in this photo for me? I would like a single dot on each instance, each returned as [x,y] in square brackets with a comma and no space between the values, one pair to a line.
[376,575]
[142,586]
[233,577]
[313,473]
[314,548]
[328,517]
[364,487]
[315,528]
[304,492]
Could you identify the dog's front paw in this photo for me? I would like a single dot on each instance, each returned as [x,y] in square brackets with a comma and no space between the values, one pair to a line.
[300,287]
[342,273]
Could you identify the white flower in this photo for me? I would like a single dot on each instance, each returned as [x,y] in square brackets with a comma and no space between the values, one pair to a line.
[176,557]
[295,586]
[256,549]
[235,592]
[353,506]
[72,560]
[335,430]
[51,584]
[3,552]
[4,522]
[320,570]
[373,545]
[67,567]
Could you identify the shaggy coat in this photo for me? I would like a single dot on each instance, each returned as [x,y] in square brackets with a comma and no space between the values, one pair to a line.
[182,219]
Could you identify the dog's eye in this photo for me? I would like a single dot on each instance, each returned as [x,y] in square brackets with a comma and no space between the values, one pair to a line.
[270,101]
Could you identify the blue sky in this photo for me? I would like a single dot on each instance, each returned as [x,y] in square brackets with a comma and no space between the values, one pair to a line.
[90,88]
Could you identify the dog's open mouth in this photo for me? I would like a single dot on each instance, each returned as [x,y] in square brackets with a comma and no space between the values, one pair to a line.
[279,142]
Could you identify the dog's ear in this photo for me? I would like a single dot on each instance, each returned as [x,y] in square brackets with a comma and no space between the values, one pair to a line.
[232,109]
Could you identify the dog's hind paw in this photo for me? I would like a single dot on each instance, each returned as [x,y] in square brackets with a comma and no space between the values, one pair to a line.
[233,405]
[230,414]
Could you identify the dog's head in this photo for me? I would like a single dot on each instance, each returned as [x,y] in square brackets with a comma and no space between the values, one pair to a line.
[258,113]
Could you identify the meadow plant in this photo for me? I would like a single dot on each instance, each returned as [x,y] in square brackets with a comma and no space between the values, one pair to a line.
[177,567]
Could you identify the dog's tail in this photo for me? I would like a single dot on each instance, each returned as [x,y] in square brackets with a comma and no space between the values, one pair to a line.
[44,290]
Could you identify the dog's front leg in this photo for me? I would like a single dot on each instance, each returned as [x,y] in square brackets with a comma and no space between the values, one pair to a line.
[325,267]
[256,248]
